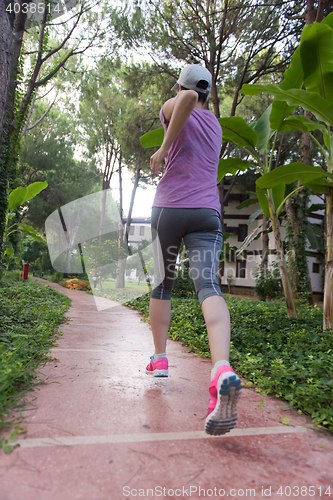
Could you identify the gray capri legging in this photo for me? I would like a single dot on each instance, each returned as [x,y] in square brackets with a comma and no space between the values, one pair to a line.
[200,228]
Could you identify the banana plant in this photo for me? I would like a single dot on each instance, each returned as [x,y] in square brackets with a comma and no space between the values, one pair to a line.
[258,140]
[16,198]
[316,61]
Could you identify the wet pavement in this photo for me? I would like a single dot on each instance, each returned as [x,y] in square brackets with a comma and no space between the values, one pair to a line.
[101,429]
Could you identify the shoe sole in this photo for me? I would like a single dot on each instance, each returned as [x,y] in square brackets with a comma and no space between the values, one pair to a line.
[224,416]
[158,373]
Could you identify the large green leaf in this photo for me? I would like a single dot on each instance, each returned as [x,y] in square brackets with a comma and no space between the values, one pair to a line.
[315,236]
[311,101]
[34,189]
[286,174]
[9,251]
[262,127]
[293,79]
[153,138]
[315,207]
[328,20]
[328,141]
[231,166]
[24,228]
[261,193]
[300,122]
[277,196]
[317,59]
[237,131]
[318,186]
[17,197]
[22,194]
[247,203]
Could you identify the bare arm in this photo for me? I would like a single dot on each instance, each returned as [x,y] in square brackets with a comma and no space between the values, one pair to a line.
[176,111]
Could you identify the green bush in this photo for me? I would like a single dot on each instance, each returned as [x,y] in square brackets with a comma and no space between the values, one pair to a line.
[36,254]
[268,282]
[183,285]
[30,314]
[290,358]
[58,277]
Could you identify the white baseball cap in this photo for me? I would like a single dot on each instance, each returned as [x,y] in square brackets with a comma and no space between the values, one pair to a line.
[195,77]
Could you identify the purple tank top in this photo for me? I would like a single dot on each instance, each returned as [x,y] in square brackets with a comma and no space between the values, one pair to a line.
[190,175]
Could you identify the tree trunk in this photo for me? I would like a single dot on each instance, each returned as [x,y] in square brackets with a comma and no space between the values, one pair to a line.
[120,281]
[310,13]
[293,244]
[130,210]
[288,293]
[18,33]
[264,252]
[8,124]
[122,251]
[328,287]
[265,246]
[296,208]
[102,221]
[213,92]
[5,71]
[5,60]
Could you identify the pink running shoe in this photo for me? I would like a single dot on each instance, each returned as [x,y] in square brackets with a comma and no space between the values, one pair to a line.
[224,391]
[158,368]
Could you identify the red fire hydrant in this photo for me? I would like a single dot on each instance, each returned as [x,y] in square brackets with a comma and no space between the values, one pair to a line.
[25,271]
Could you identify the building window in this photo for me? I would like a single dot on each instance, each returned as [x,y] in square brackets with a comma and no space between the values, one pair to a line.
[230,255]
[221,268]
[128,272]
[240,268]
[142,230]
[132,230]
[242,232]
[315,267]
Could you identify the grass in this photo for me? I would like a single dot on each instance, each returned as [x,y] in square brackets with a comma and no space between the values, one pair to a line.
[30,314]
[131,291]
[289,358]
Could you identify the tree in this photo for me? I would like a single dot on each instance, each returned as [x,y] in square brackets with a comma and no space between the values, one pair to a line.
[5,59]
[296,206]
[47,154]
[48,61]
[230,38]
[316,65]
[17,198]
[116,108]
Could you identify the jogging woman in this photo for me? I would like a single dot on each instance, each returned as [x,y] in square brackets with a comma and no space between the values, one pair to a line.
[186,206]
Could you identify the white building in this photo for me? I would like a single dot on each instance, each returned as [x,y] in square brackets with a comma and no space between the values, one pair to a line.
[236,222]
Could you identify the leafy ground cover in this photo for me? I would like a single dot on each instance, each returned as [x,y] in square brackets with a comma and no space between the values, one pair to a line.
[289,358]
[30,314]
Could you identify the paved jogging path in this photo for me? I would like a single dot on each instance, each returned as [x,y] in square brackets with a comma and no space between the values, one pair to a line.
[102,429]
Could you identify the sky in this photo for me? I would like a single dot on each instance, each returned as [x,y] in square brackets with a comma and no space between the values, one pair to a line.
[143,199]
